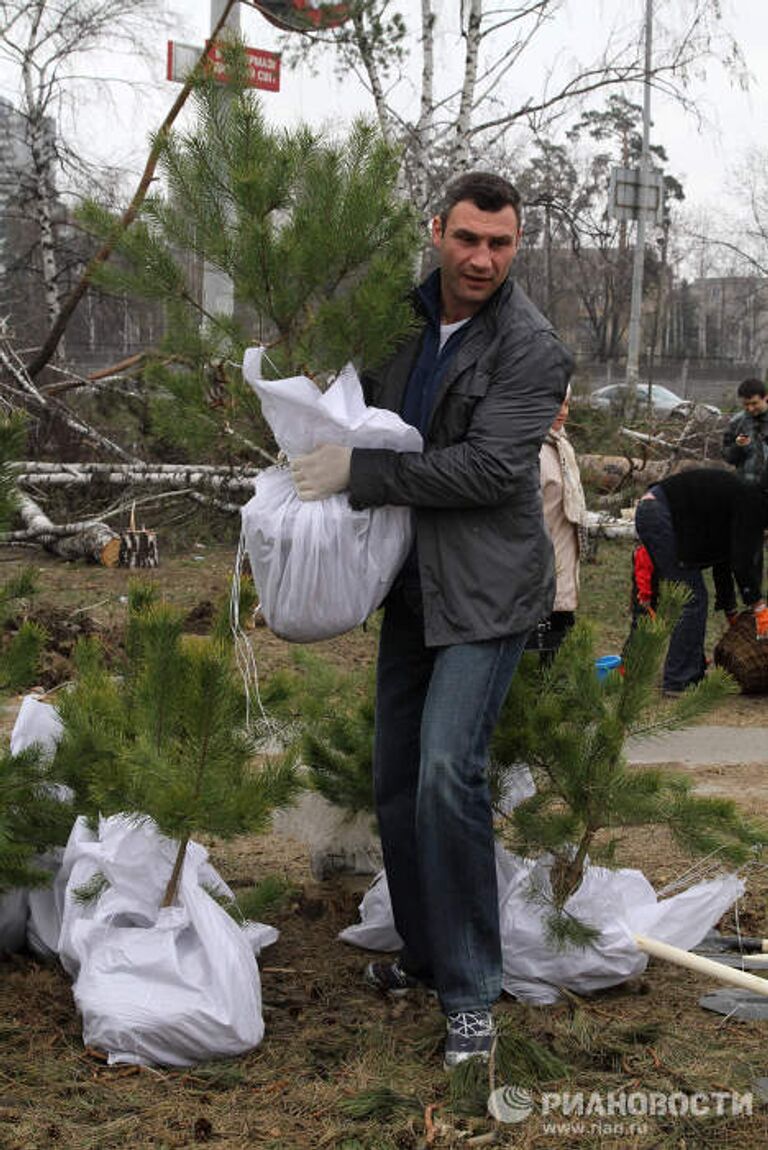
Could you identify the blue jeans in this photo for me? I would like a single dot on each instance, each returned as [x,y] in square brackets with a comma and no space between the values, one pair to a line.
[435,712]
[686,662]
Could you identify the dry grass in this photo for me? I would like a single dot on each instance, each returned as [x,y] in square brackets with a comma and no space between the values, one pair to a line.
[339,1067]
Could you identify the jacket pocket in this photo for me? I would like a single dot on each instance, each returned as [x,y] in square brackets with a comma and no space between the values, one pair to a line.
[453,414]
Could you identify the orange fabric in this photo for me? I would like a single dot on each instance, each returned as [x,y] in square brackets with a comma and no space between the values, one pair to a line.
[761,623]
[643,575]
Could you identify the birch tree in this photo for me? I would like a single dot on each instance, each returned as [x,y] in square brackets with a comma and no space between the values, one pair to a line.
[46,44]
[458,79]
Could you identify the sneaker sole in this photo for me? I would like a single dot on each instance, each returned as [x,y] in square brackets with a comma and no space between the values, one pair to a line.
[479,1056]
[482,1055]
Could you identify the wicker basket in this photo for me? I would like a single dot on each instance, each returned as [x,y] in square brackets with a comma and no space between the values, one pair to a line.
[744,656]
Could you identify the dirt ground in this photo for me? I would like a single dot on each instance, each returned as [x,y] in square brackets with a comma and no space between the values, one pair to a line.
[339,1067]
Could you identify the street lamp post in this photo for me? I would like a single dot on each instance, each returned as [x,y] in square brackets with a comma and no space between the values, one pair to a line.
[635,315]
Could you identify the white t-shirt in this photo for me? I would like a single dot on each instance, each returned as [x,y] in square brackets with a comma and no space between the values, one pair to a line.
[447,330]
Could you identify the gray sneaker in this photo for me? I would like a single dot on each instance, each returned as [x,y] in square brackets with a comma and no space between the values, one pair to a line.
[471,1034]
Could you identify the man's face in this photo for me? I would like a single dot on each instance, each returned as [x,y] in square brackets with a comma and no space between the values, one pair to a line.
[755,404]
[476,252]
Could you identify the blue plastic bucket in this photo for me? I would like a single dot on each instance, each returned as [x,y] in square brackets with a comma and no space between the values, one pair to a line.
[607,663]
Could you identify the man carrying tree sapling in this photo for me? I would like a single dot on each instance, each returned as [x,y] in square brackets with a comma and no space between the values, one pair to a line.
[482,380]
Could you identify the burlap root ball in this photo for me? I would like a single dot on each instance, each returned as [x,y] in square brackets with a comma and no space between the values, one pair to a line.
[744,656]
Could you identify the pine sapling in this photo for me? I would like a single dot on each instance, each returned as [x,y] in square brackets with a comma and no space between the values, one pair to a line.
[168,741]
[21,657]
[331,716]
[570,727]
[33,817]
[311,231]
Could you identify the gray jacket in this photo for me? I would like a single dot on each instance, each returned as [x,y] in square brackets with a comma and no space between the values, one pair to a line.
[485,560]
[750,461]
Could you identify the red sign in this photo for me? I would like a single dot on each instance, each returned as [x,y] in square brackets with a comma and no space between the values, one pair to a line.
[263,67]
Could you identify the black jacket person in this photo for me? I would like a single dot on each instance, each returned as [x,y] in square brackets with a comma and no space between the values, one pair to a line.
[481,576]
[698,519]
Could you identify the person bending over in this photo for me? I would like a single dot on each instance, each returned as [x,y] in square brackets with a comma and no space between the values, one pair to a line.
[697,519]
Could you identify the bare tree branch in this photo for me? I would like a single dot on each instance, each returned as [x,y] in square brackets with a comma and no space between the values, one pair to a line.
[39,361]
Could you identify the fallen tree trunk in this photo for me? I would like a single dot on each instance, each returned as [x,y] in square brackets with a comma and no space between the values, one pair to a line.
[123,475]
[609,472]
[602,526]
[89,539]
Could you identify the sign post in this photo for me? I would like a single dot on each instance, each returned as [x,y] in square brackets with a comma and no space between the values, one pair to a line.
[218,289]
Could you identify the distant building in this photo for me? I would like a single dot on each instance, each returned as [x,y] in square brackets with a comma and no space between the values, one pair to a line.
[105,328]
[732,320]
[716,326]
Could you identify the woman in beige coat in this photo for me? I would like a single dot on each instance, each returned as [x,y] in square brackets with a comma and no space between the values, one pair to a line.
[565,518]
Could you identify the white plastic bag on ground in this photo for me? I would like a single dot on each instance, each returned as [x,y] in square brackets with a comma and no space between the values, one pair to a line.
[618,903]
[174,986]
[37,723]
[376,929]
[34,916]
[339,842]
[320,567]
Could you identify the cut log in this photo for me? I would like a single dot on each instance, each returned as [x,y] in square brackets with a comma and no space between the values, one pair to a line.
[98,543]
[90,540]
[608,472]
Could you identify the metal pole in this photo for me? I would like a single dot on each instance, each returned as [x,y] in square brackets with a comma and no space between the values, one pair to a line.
[218,290]
[635,314]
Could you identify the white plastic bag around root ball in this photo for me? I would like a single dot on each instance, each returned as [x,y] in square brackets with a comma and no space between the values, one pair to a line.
[320,567]
[174,986]
[619,904]
[34,916]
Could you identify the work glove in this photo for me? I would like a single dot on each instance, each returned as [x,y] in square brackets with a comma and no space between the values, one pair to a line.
[761,622]
[324,472]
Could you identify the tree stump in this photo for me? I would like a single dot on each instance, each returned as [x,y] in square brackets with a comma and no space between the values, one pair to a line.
[138,548]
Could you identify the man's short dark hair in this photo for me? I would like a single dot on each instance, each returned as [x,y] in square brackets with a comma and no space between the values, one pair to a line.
[749,387]
[487,191]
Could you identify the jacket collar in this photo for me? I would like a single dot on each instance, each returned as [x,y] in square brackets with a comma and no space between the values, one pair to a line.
[427,298]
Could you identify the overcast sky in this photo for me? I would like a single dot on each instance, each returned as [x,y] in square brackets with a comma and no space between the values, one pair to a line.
[703,159]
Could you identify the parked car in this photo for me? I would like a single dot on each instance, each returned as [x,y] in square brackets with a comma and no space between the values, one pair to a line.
[663,401]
